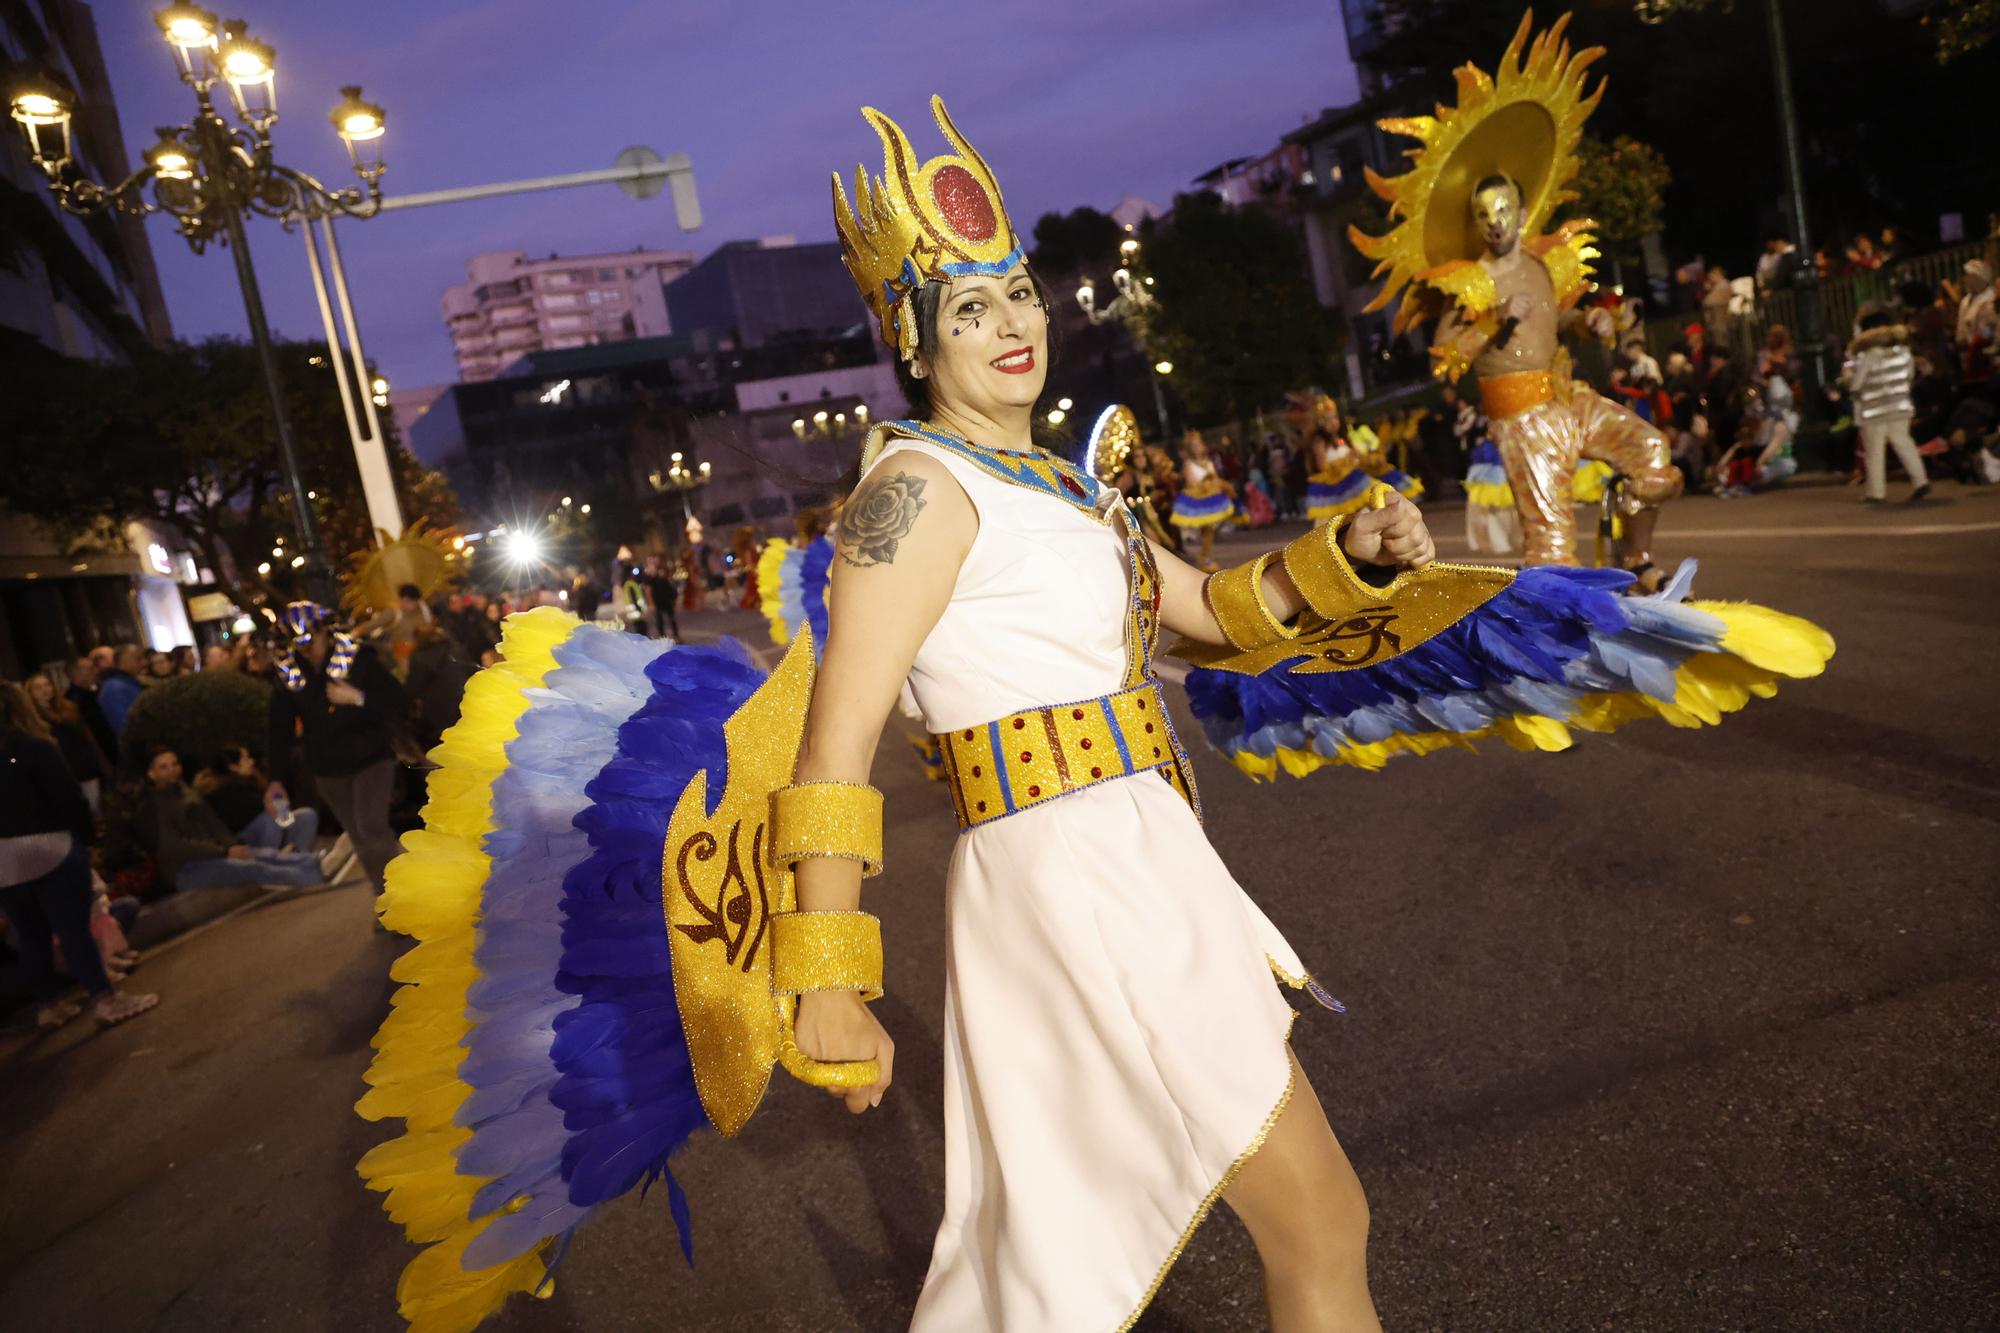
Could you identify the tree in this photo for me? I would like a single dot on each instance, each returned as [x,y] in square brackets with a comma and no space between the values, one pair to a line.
[1237,315]
[1072,243]
[1622,188]
[1971,25]
[182,437]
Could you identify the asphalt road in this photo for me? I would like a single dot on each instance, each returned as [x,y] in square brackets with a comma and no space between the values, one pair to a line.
[1676,1031]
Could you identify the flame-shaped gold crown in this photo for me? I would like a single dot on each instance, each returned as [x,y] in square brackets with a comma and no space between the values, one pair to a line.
[1524,122]
[920,223]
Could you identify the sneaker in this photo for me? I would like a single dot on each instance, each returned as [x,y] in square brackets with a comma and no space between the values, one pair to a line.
[333,861]
[1919,493]
[1871,499]
[51,1016]
[118,1006]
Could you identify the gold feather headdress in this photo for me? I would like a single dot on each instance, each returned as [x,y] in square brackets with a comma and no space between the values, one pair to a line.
[920,223]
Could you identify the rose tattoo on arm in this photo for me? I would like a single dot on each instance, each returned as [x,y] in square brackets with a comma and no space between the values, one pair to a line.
[877,517]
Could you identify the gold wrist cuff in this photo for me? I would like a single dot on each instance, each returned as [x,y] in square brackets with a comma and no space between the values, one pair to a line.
[1236,598]
[826,951]
[1322,573]
[836,819]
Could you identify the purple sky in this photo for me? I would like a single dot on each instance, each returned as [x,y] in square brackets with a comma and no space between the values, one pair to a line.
[1072,101]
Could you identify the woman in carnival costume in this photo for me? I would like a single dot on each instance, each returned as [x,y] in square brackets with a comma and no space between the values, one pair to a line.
[1205,501]
[638,887]
[1336,485]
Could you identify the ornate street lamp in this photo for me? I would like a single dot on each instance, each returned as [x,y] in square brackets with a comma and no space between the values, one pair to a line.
[826,425]
[680,477]
[208,175]
[1133,306]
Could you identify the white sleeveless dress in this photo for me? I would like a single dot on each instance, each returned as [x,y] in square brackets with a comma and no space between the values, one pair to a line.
[1114,1041]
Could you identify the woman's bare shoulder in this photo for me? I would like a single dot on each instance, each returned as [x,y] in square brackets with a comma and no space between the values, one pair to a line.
[909,505]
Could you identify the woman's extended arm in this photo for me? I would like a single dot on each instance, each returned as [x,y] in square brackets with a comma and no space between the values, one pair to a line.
[898,546]
[1392,535]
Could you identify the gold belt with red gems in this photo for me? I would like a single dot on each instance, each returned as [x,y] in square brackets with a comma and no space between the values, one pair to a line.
[1043,754]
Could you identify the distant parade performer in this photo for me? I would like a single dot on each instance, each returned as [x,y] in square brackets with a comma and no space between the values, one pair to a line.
[1337,480]
[1469,250]
[1205,501]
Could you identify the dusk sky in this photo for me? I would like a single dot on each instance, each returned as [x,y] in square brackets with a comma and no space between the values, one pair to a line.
[1072,101]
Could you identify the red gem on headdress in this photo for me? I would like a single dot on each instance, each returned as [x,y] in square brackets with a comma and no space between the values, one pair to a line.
[964,203]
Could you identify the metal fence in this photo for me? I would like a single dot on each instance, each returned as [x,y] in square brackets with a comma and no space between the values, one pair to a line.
[1841,298]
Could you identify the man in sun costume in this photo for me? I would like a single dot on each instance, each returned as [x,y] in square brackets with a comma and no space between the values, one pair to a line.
[1469,249]
[611,941]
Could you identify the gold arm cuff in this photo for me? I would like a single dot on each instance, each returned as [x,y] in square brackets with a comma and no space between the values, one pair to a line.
[826,951]
[1236,598]
[1321,572]
[833,819]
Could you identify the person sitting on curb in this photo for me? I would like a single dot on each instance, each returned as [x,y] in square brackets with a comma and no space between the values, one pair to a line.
[192,846]
[239,793]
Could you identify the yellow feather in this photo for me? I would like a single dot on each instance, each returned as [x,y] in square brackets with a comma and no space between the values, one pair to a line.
[1771,639]
[432,892]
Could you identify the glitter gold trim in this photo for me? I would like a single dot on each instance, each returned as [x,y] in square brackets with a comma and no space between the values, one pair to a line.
[1236,599]
[1228,1179]
[841,820]
[826,951]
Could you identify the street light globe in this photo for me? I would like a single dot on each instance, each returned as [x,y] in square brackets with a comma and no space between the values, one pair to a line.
[41,105]
[674,457]
[356,119]
[566,502]
[245,60]
[1163,367]
[35,107]
[1065,404]
[360,125]
[169,160]
[1128,247]
[584,509]
[819,417]
[704,470]
[188,27]
[379,385]
[861,411]
[264,568]
[1056,416]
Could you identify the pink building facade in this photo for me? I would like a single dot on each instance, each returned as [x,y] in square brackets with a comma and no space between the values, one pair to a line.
[510,305]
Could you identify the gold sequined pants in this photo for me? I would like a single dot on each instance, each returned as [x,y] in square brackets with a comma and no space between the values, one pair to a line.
[1540,449]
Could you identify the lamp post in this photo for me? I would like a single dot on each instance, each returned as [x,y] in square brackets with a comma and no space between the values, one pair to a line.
[1133,306]
[209,175]
[682,478]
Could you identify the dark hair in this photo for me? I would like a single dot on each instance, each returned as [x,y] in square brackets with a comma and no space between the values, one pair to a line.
[1497,180]
[411,591]
[929,297]
[154,752]
[1876,319]
[230,756]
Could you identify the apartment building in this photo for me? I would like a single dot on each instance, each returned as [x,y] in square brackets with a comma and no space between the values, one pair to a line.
[511,305]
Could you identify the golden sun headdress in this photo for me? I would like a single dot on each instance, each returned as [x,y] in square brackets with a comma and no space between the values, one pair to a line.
[1524,122]
[920,223]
